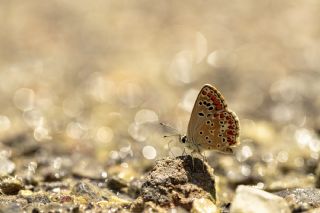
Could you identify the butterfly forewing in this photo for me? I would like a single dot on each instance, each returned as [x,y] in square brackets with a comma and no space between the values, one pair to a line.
[212,125]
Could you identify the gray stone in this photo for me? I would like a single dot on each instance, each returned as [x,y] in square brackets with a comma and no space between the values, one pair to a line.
[10,185]
[301,199]
[252,200]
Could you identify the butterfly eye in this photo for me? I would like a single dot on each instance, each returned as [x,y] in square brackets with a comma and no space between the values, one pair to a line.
[184,139]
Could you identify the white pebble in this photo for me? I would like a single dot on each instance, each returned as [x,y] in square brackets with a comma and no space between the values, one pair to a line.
[251,200]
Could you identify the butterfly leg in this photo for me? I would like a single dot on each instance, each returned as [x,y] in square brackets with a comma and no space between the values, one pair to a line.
[192,156]
[184,151]
[204,159]
[170,149]
[173,135]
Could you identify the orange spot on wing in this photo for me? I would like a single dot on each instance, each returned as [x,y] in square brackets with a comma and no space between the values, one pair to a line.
[230,132]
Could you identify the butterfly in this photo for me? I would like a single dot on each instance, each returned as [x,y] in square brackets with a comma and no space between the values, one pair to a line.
[212,126]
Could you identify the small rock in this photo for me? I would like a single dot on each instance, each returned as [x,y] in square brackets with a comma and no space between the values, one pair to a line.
[10,185]
[251,200]
[25,193]
[61,197]
[10,208]
[80,200]
[39,197]
[87,190]
[177,182]
[203,205]
[65,199]
[301,199]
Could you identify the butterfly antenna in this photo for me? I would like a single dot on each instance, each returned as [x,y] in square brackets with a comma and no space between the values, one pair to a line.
[168,127]
[174,135]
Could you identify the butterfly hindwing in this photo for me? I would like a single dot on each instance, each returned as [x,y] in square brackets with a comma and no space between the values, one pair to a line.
[212,125]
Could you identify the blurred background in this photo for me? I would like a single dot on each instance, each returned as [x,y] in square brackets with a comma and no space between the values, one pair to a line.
[97,77]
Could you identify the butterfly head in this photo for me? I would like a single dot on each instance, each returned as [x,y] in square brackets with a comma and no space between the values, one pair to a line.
[183,139]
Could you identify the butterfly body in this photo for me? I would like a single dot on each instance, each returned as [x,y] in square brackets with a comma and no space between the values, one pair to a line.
[212,125]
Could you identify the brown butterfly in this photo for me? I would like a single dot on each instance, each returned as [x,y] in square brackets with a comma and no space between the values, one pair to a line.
[212,125]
